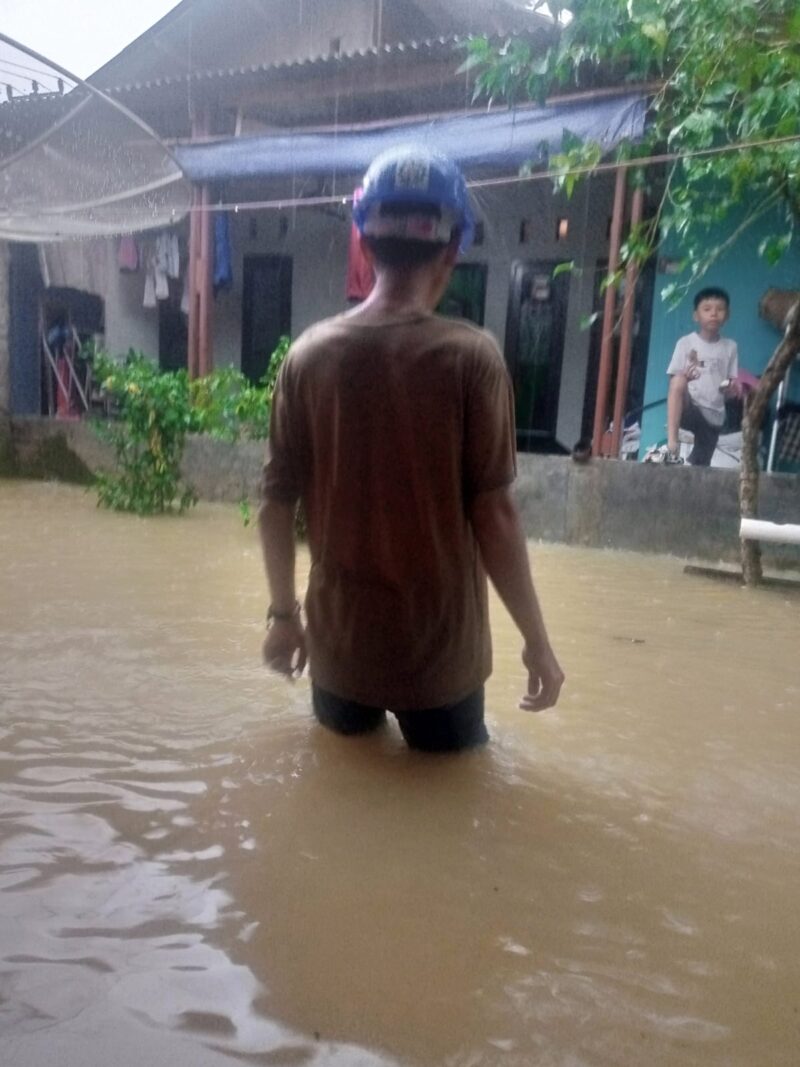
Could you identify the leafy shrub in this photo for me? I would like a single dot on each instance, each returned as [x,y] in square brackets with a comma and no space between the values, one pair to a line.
[227,406]
[148,436]
[154,411]
[218,401]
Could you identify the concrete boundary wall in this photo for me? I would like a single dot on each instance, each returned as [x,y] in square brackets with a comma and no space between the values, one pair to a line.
[690,512]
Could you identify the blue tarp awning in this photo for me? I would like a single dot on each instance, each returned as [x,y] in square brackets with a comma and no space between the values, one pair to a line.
[499,139]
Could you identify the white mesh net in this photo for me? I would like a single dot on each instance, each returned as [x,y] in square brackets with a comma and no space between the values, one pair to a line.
[74,163]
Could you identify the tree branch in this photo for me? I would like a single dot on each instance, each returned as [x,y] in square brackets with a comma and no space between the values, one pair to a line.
[755,410]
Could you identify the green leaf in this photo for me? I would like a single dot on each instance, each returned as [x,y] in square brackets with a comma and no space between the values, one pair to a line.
[564,268]
[656,31]
[470,63]
[774,248]
[570,141]
[721,93]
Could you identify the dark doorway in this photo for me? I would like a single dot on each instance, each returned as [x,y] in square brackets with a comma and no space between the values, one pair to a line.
[25,288]
[465,296]
[534,350]
[266,310]
[173,330]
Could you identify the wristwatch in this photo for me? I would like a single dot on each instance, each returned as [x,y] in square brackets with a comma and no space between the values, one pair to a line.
[283,616]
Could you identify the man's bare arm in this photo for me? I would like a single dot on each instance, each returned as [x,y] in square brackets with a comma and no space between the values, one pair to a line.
[284,645]
[498,531]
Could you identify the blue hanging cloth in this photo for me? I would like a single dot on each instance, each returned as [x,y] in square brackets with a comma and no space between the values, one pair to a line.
[223,266]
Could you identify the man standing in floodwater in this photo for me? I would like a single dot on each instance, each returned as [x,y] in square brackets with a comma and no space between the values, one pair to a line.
[395,428]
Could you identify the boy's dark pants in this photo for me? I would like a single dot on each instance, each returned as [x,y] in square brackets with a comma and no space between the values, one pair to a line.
[705,435]
[445,729]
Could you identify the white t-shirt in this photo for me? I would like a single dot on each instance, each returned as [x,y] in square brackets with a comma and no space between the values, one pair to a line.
[716,361]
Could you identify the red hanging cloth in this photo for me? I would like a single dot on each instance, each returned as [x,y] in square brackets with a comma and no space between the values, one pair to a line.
[360,277]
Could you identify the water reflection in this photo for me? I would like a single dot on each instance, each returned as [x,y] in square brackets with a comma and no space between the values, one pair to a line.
[191,869]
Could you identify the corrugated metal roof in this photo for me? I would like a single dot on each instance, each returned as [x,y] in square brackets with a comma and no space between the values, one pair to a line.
[429,46]
[207,29]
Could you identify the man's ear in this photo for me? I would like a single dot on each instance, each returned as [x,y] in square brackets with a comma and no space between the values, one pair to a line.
[451,255]
[366,251]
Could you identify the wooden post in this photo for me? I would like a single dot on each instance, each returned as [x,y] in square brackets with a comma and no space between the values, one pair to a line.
[755,408]
[200,345]
[205,343]
[192,361]
[626,332]
[604,372]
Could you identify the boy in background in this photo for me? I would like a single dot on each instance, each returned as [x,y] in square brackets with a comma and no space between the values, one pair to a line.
[702,372]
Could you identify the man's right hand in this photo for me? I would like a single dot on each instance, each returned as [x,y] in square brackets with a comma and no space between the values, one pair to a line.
[285,647]
[545,679]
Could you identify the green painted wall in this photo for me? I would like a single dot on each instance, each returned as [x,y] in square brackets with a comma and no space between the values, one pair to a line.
[746,277]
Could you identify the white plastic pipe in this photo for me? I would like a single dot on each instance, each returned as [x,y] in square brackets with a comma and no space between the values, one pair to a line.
[785,533]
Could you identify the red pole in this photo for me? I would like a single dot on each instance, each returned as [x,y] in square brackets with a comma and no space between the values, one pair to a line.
[205,342]
[192,360]
[604,373]
[198,343]
[626,331]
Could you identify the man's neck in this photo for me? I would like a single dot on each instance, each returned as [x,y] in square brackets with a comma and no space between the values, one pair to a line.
[404,292]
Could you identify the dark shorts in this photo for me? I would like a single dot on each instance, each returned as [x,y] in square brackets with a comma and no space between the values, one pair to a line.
[705,435]
[445,729]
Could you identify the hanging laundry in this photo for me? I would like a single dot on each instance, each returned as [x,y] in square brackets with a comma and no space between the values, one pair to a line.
[360,277]
[128,255]
[168,254]
[174,267]
[157,265]
[162,285]
[161,252]
[162,265]
[223,268]
[149,300]
[185,302]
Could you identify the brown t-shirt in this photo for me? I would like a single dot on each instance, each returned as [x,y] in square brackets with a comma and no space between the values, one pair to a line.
[386,430]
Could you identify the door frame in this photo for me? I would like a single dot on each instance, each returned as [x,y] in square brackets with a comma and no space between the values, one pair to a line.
[538,440]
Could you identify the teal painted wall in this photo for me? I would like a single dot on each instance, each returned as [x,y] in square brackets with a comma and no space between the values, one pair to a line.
[746,276]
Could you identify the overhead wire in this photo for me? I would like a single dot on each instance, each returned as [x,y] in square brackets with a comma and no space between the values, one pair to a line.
[22,83]
[45,72]
[293,202]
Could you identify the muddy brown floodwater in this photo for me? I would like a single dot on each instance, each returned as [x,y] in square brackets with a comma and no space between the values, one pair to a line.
[194,874]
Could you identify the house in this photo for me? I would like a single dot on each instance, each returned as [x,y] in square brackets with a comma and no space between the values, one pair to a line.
[273,111]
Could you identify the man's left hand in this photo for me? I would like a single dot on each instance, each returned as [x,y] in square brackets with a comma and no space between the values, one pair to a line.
[285,647]
[545,679]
